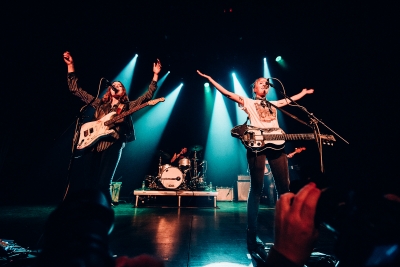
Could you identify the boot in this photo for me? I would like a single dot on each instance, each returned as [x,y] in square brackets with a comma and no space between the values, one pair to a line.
[256,247]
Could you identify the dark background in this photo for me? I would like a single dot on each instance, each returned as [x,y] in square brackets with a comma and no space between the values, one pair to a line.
[346,51]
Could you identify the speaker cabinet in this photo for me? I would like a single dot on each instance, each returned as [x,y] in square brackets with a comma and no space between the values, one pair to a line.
[242,177]
[224,193]
[243,189]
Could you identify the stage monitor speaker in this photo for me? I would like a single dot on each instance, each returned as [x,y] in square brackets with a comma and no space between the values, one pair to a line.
[224,193]
[243,190]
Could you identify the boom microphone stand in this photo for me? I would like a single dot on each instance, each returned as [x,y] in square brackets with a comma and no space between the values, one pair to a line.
[313,123]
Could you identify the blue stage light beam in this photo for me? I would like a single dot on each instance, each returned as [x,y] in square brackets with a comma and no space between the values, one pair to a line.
[160,82]
[221,152]
[238,89]
[271,92]
[150,127]
[241,117]
[125,76]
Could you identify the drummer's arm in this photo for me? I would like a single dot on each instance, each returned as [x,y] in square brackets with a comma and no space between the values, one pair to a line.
[174,157]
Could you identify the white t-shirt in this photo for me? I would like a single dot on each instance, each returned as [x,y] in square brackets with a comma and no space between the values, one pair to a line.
[260,116]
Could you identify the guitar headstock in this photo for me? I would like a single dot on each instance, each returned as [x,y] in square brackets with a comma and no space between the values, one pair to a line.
[155,101]
[327,139]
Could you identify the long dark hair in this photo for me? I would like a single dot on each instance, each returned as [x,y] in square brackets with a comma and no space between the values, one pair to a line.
[107,96]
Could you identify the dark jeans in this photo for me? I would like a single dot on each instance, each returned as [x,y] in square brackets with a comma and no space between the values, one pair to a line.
[98,170]
[279,167]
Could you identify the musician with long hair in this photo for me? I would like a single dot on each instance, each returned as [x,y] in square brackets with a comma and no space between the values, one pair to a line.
[261,115]
[106,153]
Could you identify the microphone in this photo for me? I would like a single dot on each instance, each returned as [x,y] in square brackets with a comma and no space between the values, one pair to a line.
[112,87]
[270,84]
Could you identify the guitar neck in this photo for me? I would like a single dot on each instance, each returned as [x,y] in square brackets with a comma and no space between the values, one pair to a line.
[288,137]
[125,113]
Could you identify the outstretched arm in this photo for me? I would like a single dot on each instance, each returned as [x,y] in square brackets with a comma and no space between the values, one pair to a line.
[223,91]
[284,102]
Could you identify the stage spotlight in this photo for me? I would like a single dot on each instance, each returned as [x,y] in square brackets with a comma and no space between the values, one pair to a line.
[278,58]
[233,74]
[207,88]
[169,72]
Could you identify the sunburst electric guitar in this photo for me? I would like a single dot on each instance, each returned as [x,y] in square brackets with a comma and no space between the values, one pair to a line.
[258,139]
[93,131]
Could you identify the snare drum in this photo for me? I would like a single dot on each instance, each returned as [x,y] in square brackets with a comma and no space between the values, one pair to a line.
[184,163]
[171,177]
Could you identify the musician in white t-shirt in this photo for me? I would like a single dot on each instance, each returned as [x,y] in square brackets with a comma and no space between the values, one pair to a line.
[261,115]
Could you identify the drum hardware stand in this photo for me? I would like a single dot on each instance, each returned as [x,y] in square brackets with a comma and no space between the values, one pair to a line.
[195,164]
[159,168]
[195,179]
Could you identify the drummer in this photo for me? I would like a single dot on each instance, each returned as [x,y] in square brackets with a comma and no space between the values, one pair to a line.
[176,157]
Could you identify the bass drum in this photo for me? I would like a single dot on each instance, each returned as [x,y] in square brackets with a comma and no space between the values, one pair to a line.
[171,177]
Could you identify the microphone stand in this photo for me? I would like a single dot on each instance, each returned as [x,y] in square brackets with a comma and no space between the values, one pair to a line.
[313,125]
[78,124]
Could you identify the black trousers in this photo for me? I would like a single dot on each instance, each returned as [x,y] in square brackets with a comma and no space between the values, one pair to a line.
[279,167]
[97,169]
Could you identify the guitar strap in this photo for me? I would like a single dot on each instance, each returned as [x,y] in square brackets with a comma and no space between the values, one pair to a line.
[120,108]
[245,123]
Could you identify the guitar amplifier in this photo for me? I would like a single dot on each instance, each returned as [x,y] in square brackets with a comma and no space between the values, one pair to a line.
[243,187]
[243,177]
[224,193]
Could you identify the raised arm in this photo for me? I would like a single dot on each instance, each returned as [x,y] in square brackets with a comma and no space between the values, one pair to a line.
[73,83]
[156,70]
[69,61]
[152,87]
[284,102]
[228,94]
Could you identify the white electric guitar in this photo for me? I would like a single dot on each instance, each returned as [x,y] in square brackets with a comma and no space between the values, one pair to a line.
[91,132]
[258,139]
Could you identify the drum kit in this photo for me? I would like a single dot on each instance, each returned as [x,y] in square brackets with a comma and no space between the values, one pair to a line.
[184,177]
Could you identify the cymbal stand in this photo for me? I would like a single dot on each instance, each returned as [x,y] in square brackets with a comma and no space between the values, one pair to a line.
[159,167]
[195,165]
[204,163]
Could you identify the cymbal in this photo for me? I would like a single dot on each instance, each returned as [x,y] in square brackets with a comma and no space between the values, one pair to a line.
[197,148]
[164,154]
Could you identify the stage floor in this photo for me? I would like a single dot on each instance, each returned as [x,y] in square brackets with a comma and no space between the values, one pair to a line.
[186,236]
